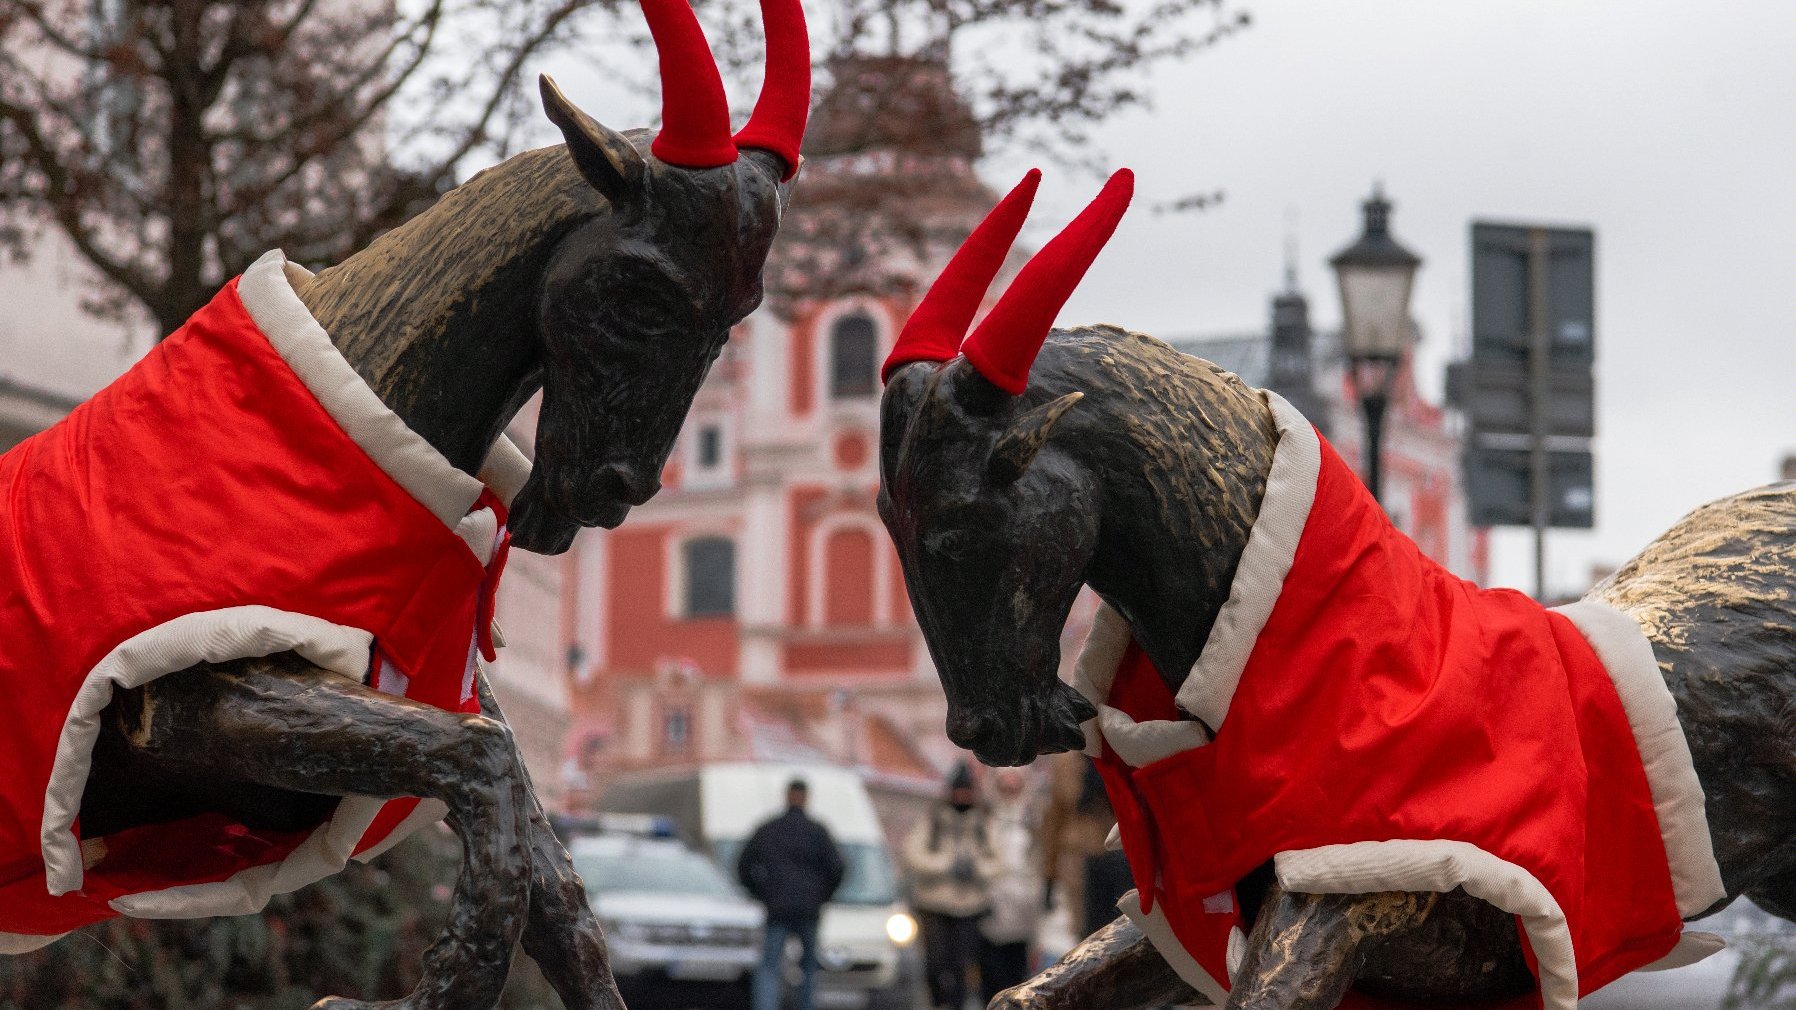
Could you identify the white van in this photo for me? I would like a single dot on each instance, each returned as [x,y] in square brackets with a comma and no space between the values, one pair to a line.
[866,943]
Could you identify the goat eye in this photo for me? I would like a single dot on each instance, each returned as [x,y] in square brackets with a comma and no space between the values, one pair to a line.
[637,318]
[951,544]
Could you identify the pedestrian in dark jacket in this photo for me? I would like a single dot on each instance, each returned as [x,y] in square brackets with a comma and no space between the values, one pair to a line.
[792,866]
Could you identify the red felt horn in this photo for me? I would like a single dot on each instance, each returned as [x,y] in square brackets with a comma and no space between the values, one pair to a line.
[778,122]
[941,319]
[695,114]
[1006,342]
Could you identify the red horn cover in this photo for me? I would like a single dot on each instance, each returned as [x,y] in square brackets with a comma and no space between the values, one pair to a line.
[784,106]
[1006,342]
[941,319]
[695,114]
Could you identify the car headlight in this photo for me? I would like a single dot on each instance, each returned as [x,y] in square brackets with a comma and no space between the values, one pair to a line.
[902,929]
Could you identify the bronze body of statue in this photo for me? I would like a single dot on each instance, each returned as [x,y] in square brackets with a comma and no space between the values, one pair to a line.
[1138,471]
[607,273]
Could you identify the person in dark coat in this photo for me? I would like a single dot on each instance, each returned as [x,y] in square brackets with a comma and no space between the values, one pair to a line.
[793,867]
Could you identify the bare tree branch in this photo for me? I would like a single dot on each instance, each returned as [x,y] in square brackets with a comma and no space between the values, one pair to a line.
[64,203]
[174,140]
[508,80]
[348,126]
[171,140]
[56,38]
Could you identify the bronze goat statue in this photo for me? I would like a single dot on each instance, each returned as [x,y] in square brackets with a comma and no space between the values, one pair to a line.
[274,736]
[1022,465]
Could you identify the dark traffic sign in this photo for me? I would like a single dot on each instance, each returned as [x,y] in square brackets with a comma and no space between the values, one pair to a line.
[1527,391]
[1499,482]
[1496,395]
[1502,283]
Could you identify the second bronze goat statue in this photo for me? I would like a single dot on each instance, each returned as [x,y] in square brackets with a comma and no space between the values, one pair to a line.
[1342,776]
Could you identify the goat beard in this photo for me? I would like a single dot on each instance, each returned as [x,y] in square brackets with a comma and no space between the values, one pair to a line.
[535,524]
[1063,715]
[556,503]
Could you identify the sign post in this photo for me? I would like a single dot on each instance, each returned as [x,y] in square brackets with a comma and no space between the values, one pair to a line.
[1527,391]
[1539,367]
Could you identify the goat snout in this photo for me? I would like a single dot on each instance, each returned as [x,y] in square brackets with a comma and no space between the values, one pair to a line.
[973,730]
[628,483]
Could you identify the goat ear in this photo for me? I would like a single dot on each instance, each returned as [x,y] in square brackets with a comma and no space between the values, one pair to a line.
[605,157]
[1017,447]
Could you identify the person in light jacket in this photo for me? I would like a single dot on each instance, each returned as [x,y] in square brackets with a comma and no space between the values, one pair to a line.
[1009,931]
[952,860]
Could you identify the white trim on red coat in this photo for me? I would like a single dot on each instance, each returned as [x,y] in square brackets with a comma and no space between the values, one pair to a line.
[1158,930]
[1402,864]
[217,636]
[1678,798]
[506,470]
[267,292]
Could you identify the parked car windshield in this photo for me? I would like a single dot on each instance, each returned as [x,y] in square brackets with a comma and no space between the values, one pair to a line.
[869,880]
[668,871]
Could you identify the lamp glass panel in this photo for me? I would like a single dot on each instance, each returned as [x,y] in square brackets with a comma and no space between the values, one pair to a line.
[1376,303]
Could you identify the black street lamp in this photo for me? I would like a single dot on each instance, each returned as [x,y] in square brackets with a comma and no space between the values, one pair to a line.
[1375,275]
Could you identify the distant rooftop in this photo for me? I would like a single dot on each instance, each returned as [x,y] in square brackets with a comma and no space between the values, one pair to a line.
[1246,354]
[1249,355]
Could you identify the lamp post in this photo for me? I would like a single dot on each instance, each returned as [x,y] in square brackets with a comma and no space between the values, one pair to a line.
[1375,275]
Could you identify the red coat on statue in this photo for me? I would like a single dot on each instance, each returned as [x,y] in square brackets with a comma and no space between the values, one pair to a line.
[1367,722]
[239,492]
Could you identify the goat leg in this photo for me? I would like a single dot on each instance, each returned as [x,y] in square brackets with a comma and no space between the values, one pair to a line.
[282,722]
[561,934]
[1306,950]
[1115,968]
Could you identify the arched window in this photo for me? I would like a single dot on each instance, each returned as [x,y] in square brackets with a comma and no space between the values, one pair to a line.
[848,558]
[710,577]
[853,346]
